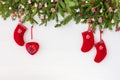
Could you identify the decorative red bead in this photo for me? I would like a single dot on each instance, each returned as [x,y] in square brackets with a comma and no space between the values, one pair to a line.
[32,47]
[92,3]
[83,3]
[81,15]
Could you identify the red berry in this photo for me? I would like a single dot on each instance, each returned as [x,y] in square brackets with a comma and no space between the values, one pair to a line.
[83,3]
[108,2]
[81,15]
[92,3]
[113,8]
[53,5]
[104,16]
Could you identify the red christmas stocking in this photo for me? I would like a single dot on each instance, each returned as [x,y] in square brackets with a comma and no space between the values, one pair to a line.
[101,50]
[88,41]
[19,34]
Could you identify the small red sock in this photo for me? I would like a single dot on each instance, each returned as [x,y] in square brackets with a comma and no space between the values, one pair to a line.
[88,41]
[32,47]
[19,34]
[101,51]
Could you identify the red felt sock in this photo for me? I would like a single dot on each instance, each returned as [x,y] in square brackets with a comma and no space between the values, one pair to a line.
[19,34]
[88,41]
[101,51]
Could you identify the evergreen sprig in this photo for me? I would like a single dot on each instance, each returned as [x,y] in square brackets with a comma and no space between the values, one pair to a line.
[102,13]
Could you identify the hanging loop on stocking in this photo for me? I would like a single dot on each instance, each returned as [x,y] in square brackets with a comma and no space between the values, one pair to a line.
[101,31]
[32,32]
[19,19]
[89,26]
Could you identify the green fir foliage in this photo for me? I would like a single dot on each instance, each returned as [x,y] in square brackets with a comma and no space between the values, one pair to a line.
[102,13]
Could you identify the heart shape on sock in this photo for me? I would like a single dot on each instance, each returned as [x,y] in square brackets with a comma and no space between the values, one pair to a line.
[32,47]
